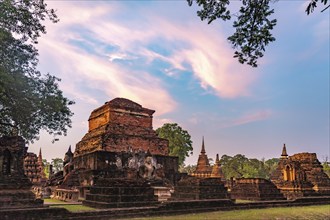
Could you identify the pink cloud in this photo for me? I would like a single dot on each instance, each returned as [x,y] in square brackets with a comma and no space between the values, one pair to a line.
[252,117]
[205,50]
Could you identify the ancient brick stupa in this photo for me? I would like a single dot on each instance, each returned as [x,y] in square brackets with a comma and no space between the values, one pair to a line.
[205,183]
[120,150]
[300,175]
[14,185]
[203,168]
[217,169]
[34,168]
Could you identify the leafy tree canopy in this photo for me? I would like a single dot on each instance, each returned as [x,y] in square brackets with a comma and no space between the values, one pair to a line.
[189,169]
[46,167]
[29,101]
[57,164]
[180,143]
[24,17]
[253,24]
[240,166]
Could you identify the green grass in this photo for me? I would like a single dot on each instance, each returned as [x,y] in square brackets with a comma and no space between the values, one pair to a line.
[70,207]
[243,201]
[320,212]
[54,201]
[76,208]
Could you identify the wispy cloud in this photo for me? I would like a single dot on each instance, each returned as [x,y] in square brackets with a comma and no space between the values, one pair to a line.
[218,121]
[252,117]
[195,47]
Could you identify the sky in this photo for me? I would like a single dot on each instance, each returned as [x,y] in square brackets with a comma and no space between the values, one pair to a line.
[162,56]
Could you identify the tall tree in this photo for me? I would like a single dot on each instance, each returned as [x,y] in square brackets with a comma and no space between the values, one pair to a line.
[29,101]
[271,165]
[253,24]
[180,143]
[57,164]
[240,166]
[46,167]
[187,169]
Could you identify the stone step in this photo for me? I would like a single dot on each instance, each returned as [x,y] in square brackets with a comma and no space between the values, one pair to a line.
[121,190]
[120,198]
[106,205]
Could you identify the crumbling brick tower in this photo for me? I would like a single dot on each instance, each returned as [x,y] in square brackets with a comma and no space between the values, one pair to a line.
[121,125]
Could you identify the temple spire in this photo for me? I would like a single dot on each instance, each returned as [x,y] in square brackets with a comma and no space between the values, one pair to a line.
[284,153]
[40,155]
[203,147]
[217,161]
[69,152]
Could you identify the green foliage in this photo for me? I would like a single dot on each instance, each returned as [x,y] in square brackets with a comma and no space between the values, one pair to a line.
[46,167]
[24,18]
[241,167]
[252,32]
[253,25]
[271,166]
[313,4]
[326,167]
[187,169]
[29,102]
[57,164]
[180,143]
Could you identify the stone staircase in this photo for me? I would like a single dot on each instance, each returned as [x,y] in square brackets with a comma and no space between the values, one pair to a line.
[117,193]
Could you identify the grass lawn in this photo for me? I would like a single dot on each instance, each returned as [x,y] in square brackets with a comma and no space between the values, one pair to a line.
[76,208]
[319,212]
[67,205]
[54,201]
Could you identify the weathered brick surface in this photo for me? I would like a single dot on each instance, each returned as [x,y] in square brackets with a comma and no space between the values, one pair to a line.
[254,189]
[301,175]
[14,185]
[203,168]
[121,125]
[120,192]
[102,162]
[192,188]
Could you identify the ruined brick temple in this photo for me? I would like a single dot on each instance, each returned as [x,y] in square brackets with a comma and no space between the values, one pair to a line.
[121,162]
[204,169]
[122,150]
[34,168]
[14,185]
[206,182]
[300,175]
[121,125]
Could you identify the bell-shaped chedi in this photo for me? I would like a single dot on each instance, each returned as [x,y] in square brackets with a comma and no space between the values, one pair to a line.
[203,168]
[217,169]
[121,125]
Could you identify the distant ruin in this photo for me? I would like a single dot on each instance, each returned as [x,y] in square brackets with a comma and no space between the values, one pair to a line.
[204,169]
[14,185]
[300,175]
[121,152]
[34,170]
